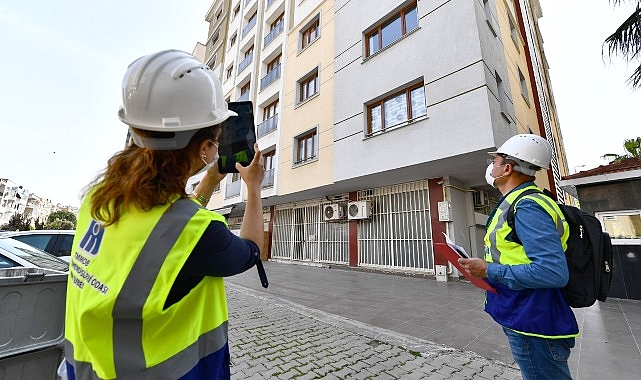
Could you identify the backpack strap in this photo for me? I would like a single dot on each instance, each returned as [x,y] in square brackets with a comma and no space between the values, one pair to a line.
[510,213]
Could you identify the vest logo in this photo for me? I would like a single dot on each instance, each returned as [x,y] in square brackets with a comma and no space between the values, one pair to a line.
[90,242]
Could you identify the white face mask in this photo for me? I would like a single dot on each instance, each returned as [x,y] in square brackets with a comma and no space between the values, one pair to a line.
[488,175]
[208,165]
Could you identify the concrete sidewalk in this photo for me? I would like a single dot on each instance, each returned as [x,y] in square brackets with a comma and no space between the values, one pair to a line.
[426,315]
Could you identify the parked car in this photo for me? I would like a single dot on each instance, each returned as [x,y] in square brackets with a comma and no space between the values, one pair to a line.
[56,242]
[14,253]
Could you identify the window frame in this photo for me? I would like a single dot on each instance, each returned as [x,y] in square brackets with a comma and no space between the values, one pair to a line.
[271,65]
[524,87]
[271,109]
[303,83]
[269,159]
[307,31]
[602,215]
[232,39]
[304,137]
[381,102]
[245,88]
[378,29]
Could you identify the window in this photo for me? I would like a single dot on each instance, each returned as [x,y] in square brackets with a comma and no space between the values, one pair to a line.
[306,147]
[232,40]
[624,227]
[488,16]
[273,63]
[276,23]
[502,97]
[308,86]
[524,91]
[229,71]
[249,51]
[514,33]
[391,30]
[236,9]
[269,159]
[310,33]
[270,110]
[245,89]
[396,110]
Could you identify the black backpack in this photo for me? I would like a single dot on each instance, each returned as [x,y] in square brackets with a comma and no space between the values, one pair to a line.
[588,254]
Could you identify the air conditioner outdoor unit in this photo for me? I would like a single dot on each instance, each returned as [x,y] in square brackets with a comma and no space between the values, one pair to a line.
[359,210]
[333,212]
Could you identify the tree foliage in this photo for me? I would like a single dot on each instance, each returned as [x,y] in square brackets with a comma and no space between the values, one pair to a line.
[61,220]
[626,41]
[39,224]
[631,146]
[18,222]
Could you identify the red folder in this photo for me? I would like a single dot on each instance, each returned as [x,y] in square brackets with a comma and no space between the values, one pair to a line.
[450,254]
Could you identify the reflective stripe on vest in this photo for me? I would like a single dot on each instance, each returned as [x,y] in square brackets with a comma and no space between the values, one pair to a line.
[137,353]
[505,252]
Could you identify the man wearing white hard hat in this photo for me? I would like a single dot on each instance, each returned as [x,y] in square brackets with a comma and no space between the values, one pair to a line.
[145,297]
[530,306]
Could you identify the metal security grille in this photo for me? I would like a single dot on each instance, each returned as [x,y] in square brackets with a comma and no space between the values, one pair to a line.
[398,236]
[301,234]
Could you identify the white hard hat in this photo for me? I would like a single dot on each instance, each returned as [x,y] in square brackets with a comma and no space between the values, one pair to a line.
[171,91]
[527,149]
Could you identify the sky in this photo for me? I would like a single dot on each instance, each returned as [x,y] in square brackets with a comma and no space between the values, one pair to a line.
[63,62]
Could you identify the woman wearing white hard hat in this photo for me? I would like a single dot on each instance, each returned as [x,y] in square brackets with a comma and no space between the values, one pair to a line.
[145,297]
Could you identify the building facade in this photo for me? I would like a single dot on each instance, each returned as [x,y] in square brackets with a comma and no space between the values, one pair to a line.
[376,128]
[16,199]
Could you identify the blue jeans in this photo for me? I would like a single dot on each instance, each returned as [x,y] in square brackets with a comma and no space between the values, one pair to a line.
[540,358]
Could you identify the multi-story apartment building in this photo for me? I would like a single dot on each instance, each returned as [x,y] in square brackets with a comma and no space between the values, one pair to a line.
[376,119]
[16,199]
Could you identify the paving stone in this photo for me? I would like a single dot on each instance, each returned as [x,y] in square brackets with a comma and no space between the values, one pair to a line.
[271,340]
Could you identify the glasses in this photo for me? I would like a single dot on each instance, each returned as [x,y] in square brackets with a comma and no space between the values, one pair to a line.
[490,161]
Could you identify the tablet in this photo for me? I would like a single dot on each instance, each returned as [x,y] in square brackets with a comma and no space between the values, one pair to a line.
[237,138]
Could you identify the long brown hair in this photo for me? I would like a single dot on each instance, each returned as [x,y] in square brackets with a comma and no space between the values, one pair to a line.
[142,177]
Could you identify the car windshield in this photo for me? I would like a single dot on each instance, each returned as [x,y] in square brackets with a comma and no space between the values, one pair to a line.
[37,257]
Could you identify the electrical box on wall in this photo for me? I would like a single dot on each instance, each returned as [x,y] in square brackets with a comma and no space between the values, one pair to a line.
[444,211]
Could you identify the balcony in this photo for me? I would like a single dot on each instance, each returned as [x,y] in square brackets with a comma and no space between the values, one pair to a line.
[268,180]
[245,62]
[273,33]
[249,26]
[267,126]
[232,189]
[270,77]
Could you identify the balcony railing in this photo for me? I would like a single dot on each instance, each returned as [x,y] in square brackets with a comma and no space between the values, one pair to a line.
[270,77]
[232,189]
[273,33]
[245,62]
[244,96]
[249,26]
[268,180]
[267,126]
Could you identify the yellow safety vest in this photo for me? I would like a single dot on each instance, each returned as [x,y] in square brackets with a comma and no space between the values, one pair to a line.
[520,310]
[120,276]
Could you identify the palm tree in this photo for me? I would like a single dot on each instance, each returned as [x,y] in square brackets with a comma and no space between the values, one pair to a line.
[626,41]
[632,146]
